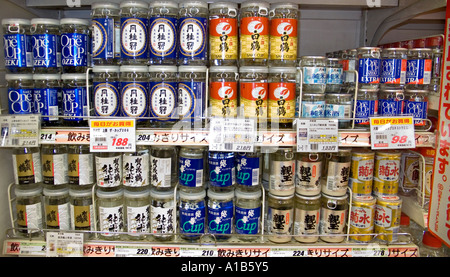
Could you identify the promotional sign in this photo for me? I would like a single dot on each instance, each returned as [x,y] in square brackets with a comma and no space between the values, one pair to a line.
[439,209]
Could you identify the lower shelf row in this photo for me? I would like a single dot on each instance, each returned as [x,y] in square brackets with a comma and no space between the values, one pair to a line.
[207,246]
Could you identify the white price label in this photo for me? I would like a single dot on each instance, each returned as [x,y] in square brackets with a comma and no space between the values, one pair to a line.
[392,132]
[118,135]
[64,244]
[232,134]
[20,130]
[317,135]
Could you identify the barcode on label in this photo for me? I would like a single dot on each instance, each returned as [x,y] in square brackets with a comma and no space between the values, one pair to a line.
[14,141]
[255,176]
[228,146]
[199,178]
[381,136]
[314,147]
[100,139]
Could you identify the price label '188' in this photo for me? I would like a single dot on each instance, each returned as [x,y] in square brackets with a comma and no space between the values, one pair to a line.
[118,135]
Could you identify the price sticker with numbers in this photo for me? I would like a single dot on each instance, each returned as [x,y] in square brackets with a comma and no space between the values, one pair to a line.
[317,135]
[392,132]
[232,134]
[20,130]
[112,135]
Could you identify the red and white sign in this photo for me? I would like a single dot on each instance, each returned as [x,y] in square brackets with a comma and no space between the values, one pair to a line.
[439,210]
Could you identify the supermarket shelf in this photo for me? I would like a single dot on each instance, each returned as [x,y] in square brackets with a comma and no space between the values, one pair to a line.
[328,3]
[347,137]
[208,247]
[417,213]
[434,101]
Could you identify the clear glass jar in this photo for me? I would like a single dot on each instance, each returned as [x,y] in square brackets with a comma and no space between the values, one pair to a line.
[349,66]
[192,168]
[80,167]
[223,91]
[280,217]
[75,99]
[423,195]
[248,214]
[223,34]
[430,246]
[308,173]
[134,35]
[108,167]
[416,104]
[163,214]
[137,213]
[163,167]
[220,214]
[314,74]
[339,105]
[393,67]
[390,102]
[313,105]
[29,209]
[435,82]
[110,214]
[282,172]
[334,78]
[105,29]
[81,210]
[106,92]
[192,95]
[20,93]
[193,33]
[333,218]
[254,88]
[57,208]
[18,51]
[46,44]
[134,81]
[222,171]
[27,165]
[47,98]
[163,95]
[369,67]
[249,170]
[338,172]
[136,169]
[307,218]
[410,177]
[75,42]
[192,214]
[54,165]
[282,94]
[366,106]
[163,32]
[254,33]
[418,68]
[283,34]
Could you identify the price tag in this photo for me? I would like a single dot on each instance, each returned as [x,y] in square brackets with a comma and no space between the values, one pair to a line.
[20,130]
[392,132]
[64,244]
[317,135]
[232,134]
[117,135]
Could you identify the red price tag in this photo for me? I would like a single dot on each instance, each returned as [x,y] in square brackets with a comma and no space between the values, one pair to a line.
[392,132]
[118,135]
